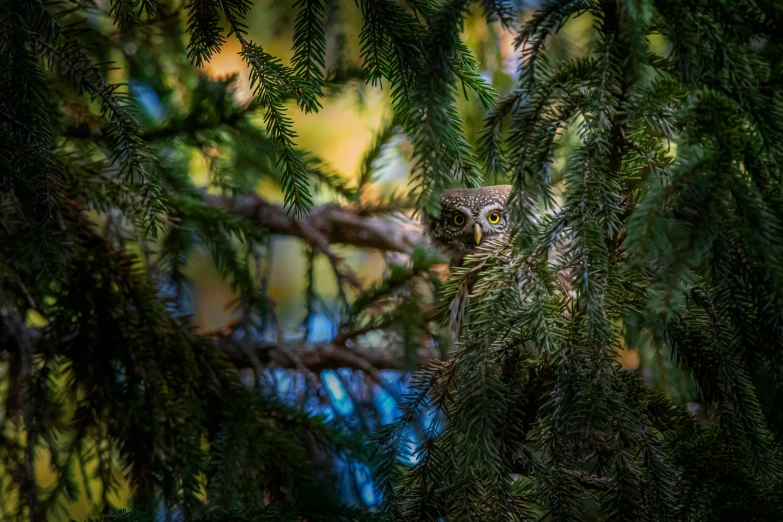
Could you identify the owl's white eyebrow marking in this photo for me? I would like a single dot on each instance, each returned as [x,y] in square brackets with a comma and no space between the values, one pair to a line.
[489,208]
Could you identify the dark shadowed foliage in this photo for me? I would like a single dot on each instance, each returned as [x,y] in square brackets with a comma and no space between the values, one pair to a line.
[647,210]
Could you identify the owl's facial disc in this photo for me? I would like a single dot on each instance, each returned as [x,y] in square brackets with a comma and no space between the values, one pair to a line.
[469,217]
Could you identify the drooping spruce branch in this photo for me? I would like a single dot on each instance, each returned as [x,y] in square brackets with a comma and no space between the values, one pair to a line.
[420,62]
[84,163]
[441,153]
[643,240]
[271,81]
[310,44]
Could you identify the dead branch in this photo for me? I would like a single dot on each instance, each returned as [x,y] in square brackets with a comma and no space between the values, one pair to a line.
[316,357]
[326,224]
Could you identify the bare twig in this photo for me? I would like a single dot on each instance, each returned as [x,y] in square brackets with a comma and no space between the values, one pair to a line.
[326,224]
[319,242]
[316,357]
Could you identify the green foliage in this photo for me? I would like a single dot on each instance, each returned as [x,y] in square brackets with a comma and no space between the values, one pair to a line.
[272,82]
[417,61]
[277,512]
[310,43]
[101,215]
[646,212]
[206,36]
[442,155]
[640,244]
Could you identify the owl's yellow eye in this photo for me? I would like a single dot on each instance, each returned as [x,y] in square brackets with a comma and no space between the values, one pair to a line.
[494,217]
[459,219]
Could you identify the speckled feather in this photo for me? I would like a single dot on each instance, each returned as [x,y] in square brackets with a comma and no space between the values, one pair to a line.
[457,241]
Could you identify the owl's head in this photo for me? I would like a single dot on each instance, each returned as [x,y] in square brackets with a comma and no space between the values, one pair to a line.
[469,217]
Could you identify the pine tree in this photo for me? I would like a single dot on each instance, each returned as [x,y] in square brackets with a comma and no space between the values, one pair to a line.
[103,378]
[661,228]
[647,215]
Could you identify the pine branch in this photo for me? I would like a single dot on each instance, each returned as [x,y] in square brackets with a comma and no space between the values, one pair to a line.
[374,156]
[124,13]
[336,224]
[271,81]
[206,36]
[391,48]
[73,64]
[310,45]
[441,153]
[28,128]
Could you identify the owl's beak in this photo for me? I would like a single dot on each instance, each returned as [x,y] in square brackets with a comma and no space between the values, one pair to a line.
[477,233]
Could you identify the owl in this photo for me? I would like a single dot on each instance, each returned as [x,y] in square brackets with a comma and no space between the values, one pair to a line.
[468,218]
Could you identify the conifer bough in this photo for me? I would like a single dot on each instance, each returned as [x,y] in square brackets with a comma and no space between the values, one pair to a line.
[667,231]
[665,210]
